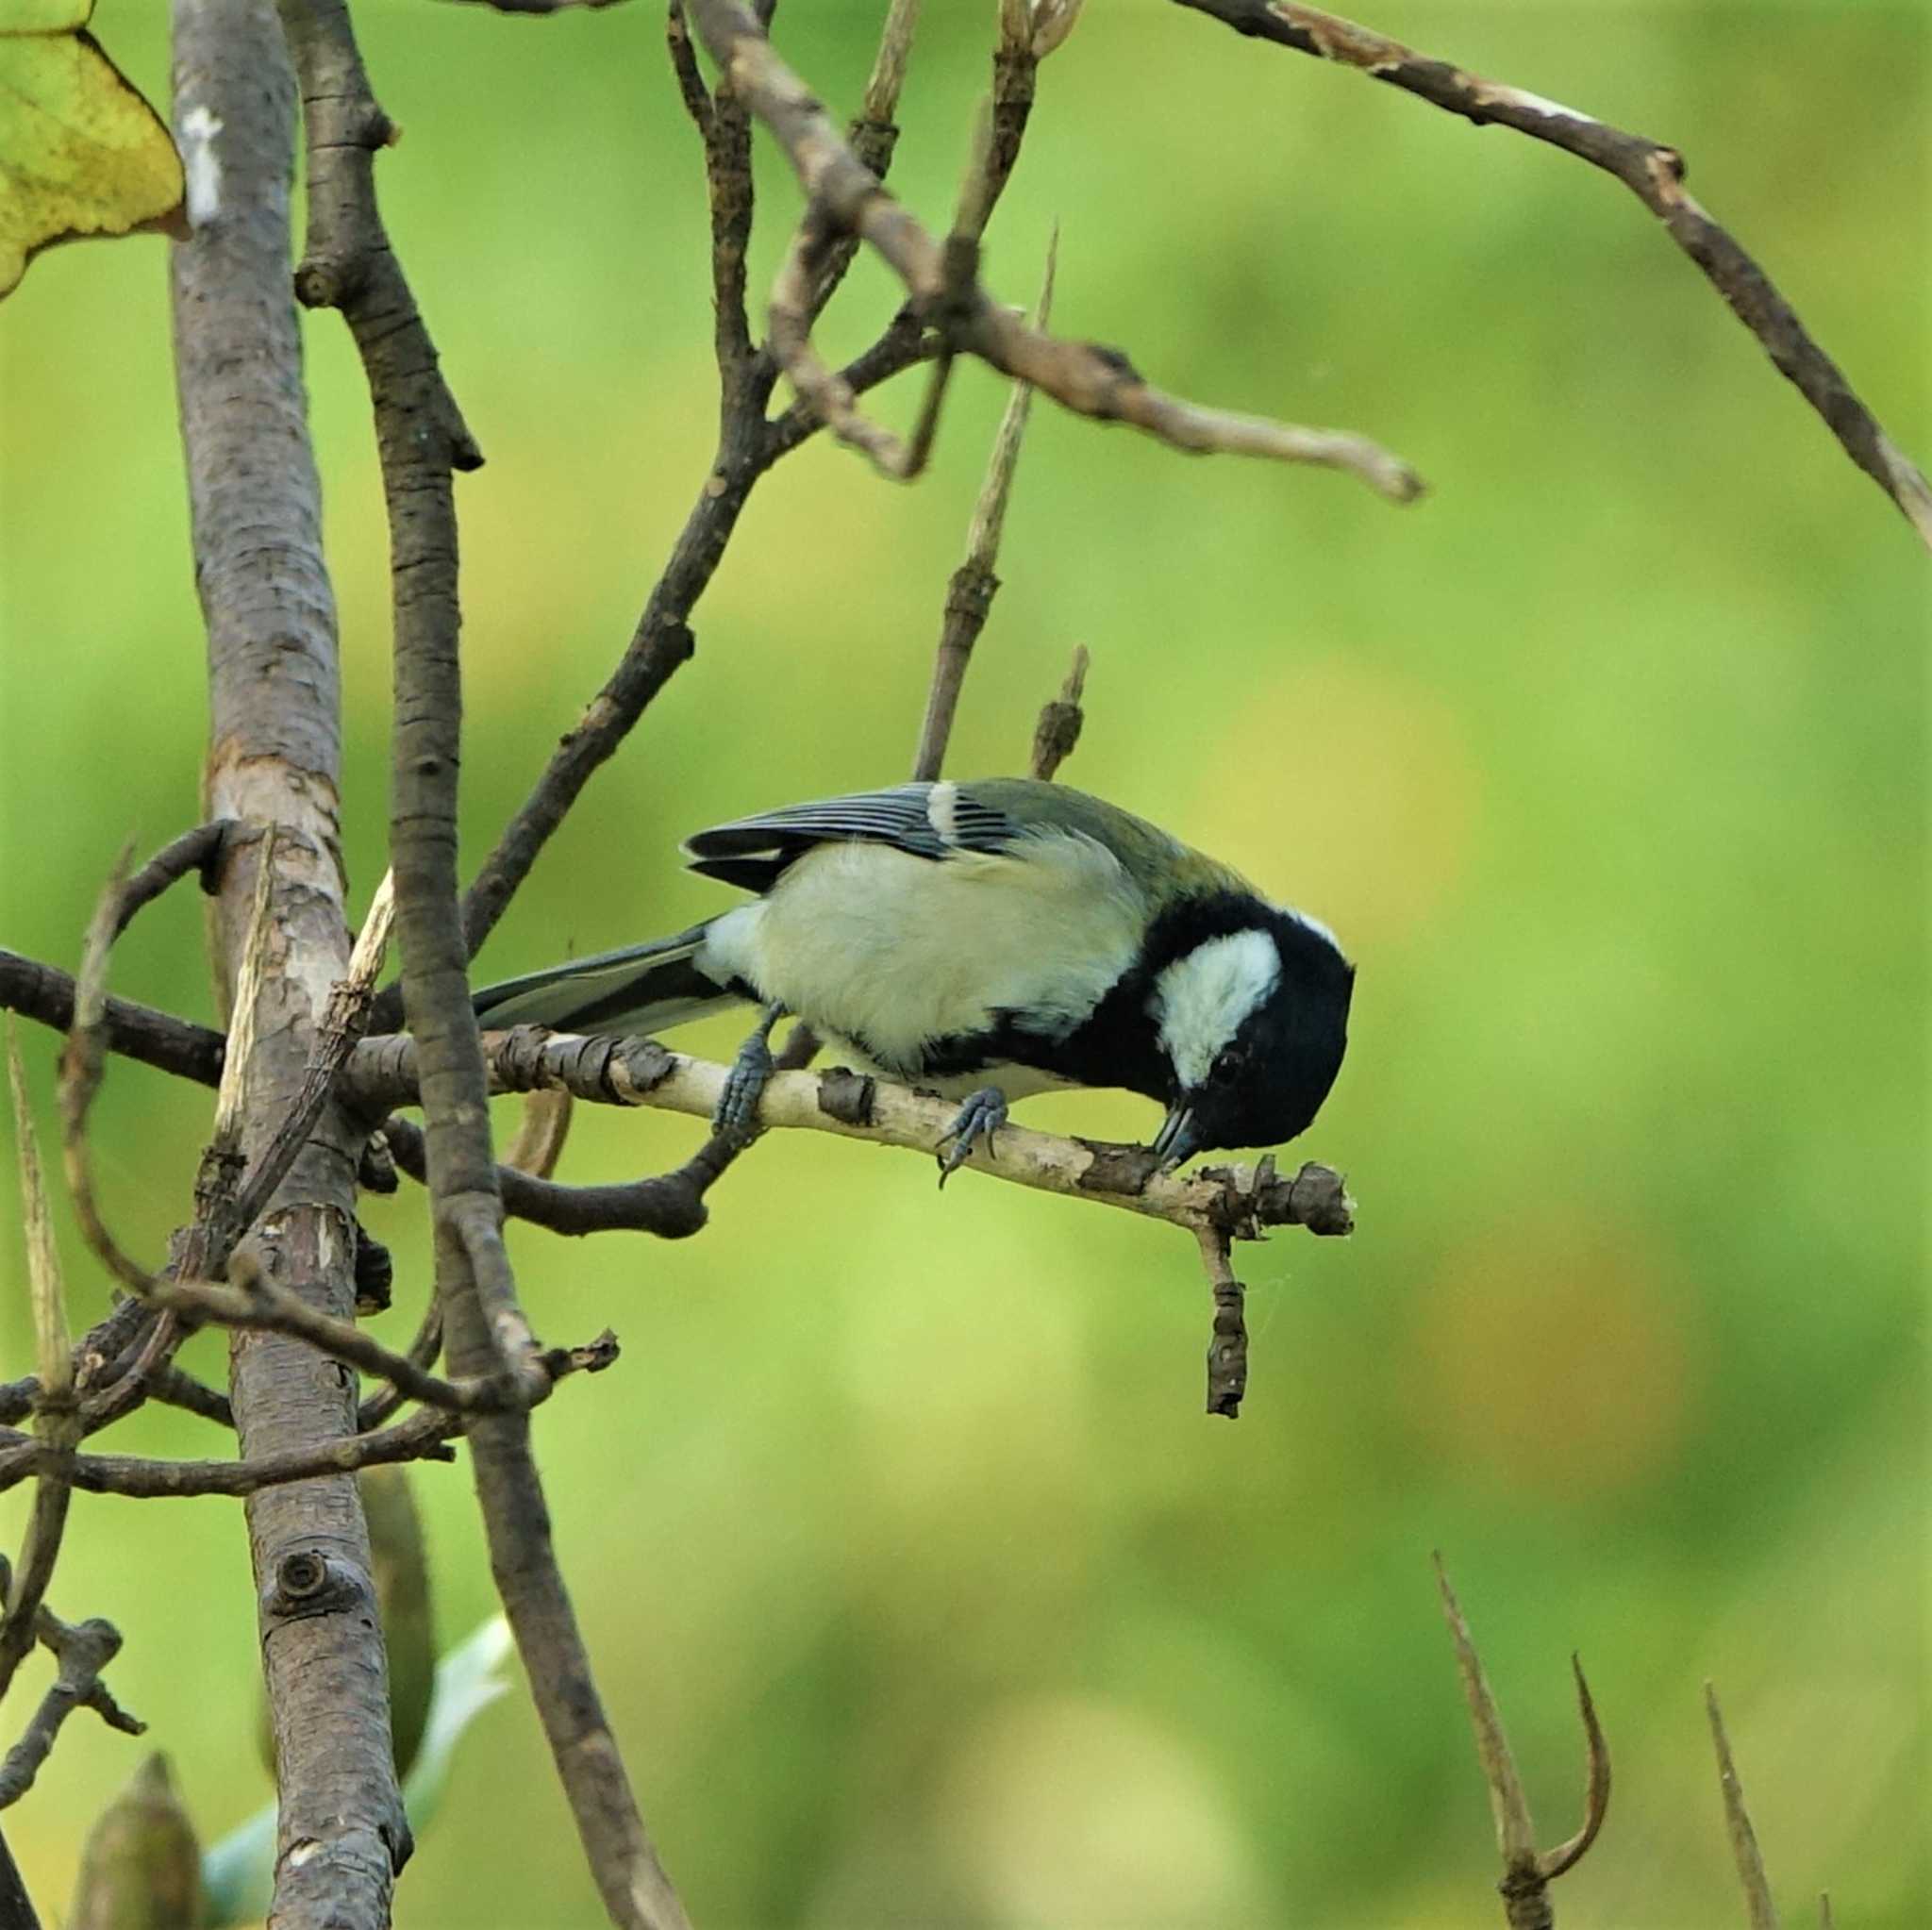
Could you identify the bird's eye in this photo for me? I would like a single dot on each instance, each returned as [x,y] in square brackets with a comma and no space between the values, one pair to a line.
[1227,1068]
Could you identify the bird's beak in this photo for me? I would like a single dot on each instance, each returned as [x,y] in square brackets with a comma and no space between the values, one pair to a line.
[1176,1140]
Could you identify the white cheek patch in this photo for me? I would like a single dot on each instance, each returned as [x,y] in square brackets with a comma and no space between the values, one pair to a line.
[1201,1000]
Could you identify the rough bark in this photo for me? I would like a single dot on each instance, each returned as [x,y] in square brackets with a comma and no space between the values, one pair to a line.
[273,760]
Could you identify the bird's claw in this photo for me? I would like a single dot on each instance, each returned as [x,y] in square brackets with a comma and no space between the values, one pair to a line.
[981,1114]
[737,1114]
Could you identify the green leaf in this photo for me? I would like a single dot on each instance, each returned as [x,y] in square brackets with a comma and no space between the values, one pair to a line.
[81,153]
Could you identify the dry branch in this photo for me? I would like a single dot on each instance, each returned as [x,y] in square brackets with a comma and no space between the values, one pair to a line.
[198,851]
[748,445]
[81,1651]
[1758,1906]
[971,589]
[1528,1873]
[275,760]
[350,264]
[1082,376]
[1060,721]
[55,1410]
[1651,171]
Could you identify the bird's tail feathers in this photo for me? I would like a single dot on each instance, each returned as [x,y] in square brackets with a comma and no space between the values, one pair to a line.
[637,988]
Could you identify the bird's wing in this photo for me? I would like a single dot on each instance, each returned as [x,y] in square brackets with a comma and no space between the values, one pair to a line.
[931,821]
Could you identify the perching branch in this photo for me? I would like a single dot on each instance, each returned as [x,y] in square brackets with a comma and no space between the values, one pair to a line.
[1083,377]
[1651,171]
[1528,1873]
[640,1071]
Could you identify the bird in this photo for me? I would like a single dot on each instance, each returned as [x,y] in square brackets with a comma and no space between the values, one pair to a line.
[988,940]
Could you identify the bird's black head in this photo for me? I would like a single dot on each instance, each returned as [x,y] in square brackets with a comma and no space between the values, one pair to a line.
[1252,1013]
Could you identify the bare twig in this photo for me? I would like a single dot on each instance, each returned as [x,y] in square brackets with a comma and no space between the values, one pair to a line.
[874,135]
[1060,721]
[82,1649]
[56,1412]
[748,445]
[540,1136]
[197,850]
[1758,1906]
[81,1067]
[423,1436]
[45,993]
[1651,171]
[822,250]
[1085,378]
[1527,1873]
[684,65]
[177,1388]
[255,1303]
[422,1352]
[971,587]
[669,1205]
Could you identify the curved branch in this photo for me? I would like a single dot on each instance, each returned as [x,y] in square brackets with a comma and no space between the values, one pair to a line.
[1651,171]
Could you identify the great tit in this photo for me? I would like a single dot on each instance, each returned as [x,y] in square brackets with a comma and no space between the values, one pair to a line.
[988,940]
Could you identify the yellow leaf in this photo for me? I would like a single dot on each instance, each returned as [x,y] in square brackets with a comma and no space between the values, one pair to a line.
[81,152]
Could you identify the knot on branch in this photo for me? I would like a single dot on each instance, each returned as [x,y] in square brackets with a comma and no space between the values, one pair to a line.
[309,1581]
[847,1096]
[327,281]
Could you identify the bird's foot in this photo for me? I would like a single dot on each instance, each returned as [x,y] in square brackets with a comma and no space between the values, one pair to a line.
[981,1114]
[737,1114]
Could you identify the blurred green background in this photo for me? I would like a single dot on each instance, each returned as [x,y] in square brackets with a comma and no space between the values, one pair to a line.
[923,1592]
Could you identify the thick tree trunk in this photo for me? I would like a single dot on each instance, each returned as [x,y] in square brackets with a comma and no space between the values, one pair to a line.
[273,761]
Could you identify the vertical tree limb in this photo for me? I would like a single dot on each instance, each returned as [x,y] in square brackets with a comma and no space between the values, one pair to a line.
[422,441]
[273,761]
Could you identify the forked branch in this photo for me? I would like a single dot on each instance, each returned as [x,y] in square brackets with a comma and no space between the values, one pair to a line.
[1084,377]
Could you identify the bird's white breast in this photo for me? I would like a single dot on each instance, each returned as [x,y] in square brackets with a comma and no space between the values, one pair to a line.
[889,950]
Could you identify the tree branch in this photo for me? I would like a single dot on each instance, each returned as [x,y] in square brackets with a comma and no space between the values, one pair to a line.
[662,643]
[640,1071]
[971,587]
[421,439]
[274,761]
[82,1649]
[1083,377]
[1651,171]
[1528,1873]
